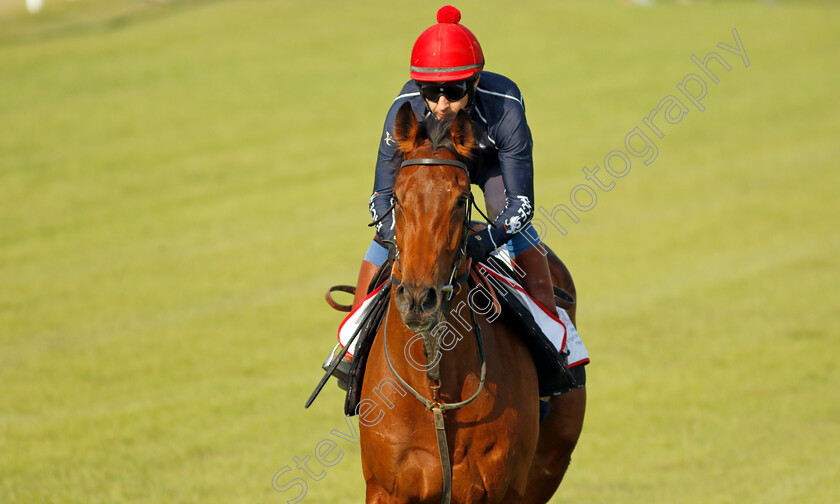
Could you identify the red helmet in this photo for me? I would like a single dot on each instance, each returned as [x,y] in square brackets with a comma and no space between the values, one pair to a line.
[446,51]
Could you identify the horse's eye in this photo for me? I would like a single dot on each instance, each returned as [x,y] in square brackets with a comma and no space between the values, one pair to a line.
[462,202]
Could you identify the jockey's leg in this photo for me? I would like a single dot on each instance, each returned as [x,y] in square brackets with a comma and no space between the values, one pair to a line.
[531,266]
[526,251]
[366,273]
[375,256]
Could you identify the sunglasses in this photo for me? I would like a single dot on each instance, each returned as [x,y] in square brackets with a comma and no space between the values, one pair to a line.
[453,91]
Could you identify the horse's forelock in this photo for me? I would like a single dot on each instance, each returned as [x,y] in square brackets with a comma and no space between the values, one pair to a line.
[437,131]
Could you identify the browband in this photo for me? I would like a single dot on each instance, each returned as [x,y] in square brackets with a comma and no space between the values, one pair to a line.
[435,161]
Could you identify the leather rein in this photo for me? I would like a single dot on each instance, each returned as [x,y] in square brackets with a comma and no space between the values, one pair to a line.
[436,405]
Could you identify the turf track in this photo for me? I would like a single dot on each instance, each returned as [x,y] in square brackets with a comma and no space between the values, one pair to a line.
[179,183]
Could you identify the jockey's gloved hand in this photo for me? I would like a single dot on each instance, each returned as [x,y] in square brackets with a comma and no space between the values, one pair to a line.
[480,245]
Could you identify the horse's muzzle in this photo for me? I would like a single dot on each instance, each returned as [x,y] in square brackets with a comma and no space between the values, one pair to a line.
[418,305]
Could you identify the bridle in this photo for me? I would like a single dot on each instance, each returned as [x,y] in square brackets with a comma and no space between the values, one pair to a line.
[435,404]
[462,250]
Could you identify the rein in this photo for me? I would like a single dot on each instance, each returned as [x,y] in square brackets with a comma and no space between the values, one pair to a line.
[435,404]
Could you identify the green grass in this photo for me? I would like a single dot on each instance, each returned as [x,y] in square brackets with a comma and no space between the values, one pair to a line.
[180,182]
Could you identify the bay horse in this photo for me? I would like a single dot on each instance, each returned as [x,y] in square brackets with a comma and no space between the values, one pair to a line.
[500,453]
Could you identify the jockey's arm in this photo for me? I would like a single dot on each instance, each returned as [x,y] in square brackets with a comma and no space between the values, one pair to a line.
[383,184]
[513,139]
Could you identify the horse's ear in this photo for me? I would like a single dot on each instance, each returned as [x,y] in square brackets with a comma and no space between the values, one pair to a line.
[406,128]
[462,134]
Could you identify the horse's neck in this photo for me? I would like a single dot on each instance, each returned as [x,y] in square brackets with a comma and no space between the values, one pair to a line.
[462,358]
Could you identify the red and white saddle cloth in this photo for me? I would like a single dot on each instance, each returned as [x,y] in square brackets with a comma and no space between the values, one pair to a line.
[557,326]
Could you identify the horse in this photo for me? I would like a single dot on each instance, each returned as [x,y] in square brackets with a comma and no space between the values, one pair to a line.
[471,392]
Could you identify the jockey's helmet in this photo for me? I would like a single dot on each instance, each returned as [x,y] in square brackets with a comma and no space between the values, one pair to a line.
[446,51]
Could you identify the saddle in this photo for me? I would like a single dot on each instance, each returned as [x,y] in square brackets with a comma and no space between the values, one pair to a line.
[553,372]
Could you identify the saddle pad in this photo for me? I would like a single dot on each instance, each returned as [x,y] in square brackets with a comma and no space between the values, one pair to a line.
[353,319]
[557,327]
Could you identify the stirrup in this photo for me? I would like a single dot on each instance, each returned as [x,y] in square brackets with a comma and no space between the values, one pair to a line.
[563,299]
[342,371]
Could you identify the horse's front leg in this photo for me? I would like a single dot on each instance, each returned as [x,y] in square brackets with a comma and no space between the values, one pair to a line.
[375,494]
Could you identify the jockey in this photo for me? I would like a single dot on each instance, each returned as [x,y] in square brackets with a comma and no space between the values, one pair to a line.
[447,76]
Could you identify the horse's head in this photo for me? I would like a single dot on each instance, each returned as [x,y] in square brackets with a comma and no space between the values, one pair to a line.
[432,201]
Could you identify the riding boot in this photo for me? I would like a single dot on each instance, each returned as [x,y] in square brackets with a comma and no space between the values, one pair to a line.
[366,273]
[533,272]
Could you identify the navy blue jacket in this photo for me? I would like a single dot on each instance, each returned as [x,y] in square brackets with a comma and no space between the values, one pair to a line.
[505,148]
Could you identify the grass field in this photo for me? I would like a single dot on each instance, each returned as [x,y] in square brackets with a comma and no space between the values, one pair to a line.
[180,182]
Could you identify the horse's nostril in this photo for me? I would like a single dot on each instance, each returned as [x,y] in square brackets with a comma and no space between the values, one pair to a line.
[423,301]
[400,291]
[430,300]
